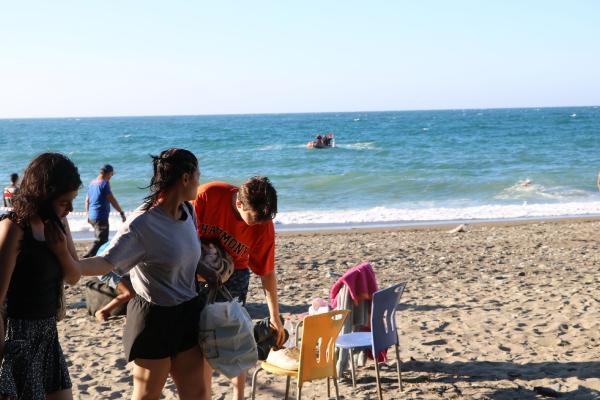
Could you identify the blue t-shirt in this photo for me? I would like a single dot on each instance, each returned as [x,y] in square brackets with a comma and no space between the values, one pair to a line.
[99,206]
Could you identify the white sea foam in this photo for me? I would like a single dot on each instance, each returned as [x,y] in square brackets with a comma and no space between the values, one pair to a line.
[375,216]
[274,146]
[359,146]
[406,216]
[526,189]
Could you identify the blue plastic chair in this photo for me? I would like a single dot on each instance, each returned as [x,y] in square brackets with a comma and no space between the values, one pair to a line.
[384,332]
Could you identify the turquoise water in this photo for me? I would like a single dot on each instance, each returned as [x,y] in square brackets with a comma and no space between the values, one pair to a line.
[386,168]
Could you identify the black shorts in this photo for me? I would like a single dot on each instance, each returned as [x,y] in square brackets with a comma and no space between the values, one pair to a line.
[154,332]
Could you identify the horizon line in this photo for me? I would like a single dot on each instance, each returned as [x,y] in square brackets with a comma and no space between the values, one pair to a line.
[297,112]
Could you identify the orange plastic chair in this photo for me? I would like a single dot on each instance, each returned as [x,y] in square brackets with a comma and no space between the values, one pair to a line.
[317,353]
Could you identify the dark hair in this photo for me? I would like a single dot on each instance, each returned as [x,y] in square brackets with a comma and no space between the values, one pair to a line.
[14,177]
[169,166]
[106,169]
[258,194]
[48,176]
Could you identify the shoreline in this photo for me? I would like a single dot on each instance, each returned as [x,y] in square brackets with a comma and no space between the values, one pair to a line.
[377,227]
[436,225]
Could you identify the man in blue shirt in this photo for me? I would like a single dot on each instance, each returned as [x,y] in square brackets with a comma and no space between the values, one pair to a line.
[98,199]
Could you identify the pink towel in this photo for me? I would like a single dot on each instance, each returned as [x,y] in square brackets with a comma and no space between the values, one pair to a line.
[361,284]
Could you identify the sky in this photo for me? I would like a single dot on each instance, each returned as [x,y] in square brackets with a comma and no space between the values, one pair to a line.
[123,58]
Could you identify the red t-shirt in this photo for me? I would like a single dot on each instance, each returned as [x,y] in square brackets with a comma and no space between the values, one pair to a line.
[250,246]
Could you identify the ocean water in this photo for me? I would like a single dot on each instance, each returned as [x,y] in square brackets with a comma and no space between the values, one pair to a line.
[388,168]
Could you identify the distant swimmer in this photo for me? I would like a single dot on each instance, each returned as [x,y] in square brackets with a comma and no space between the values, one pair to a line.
[527,182]
[598,181]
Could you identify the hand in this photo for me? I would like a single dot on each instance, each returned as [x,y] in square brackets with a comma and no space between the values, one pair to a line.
[278,326]
[123,216]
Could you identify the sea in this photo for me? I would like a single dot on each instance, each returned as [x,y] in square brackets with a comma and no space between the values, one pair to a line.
[389,168]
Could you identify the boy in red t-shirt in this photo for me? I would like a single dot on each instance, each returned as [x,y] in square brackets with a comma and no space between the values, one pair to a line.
[240,219]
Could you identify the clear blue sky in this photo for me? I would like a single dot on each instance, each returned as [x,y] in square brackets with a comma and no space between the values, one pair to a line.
[99,58]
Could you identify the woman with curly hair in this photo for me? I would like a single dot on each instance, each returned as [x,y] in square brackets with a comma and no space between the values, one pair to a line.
[158,245]
[31,278]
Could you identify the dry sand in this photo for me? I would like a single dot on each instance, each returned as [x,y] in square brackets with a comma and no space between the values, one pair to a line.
[493,311]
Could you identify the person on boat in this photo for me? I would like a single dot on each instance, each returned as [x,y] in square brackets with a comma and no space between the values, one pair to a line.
[319,141]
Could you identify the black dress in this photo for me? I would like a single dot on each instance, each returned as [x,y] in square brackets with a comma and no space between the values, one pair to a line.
[33,363]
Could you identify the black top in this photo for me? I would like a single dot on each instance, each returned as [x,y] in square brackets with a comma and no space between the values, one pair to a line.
[35,282]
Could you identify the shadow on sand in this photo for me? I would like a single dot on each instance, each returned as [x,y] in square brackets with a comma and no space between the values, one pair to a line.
[260,310]
[451,375]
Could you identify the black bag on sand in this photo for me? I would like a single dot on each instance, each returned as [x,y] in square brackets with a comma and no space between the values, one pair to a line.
[98,294]
[265,337]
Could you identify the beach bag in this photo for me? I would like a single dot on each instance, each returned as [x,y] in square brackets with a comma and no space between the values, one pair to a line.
[216,261]
[266,337]
[226,335]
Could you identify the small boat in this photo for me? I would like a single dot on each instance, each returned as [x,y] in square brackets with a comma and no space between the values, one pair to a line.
[322,142]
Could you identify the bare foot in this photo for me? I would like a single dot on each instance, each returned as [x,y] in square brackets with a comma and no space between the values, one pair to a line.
[102,315]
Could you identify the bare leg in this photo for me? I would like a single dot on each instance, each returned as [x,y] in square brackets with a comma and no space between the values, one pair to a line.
[188,374]
[239,383]
[207,379]
[65,394]
[126,293]
[149,377]
[103,313]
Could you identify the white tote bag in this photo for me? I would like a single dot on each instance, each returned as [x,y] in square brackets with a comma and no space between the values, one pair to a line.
[226,335]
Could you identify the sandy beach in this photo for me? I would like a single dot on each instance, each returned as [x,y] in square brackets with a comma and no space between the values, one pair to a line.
[491,311]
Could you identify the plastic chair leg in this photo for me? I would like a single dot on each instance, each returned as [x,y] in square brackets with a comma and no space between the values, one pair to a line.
[337,392]
[287,387]
[353,368]
[253,393]
[398,362]
[378,381]
[299,393]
